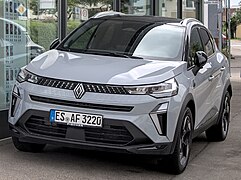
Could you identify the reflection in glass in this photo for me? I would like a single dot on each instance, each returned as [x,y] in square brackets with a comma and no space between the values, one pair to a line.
[168,8]
[137,7]
[189,8]
[80,11]
[26,31]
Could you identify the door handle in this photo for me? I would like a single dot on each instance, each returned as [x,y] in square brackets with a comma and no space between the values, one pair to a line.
[222,68]
[211,78]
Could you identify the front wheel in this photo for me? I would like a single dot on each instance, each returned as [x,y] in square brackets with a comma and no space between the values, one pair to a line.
[179,159]
[219,131]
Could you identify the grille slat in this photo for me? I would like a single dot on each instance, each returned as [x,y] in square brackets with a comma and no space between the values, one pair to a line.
[82,104]
[96,88]
[108,141]
[117,134]
[33,125]
[48,133]
[108,131]
[109,135]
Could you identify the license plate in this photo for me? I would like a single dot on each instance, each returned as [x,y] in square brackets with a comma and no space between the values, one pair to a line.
[75,119]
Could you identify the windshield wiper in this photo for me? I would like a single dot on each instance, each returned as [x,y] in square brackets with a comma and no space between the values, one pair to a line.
[124,55]
[115,54]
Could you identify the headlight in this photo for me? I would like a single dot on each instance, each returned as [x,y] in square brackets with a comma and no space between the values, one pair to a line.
[25,75]
[164,89]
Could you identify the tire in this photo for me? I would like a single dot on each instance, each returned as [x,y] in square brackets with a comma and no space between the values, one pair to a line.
[219,131]
[177,162]
[27,147]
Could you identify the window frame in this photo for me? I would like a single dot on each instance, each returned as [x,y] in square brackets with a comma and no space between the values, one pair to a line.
[192,65]
[210,39]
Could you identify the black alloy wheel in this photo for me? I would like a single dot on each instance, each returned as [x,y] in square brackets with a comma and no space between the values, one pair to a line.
[177,162]
[219,132]
[185,140]
[225,116]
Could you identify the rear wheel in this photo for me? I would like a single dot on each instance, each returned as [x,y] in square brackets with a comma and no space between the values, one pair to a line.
[179,159]
[27,147]
[219,131]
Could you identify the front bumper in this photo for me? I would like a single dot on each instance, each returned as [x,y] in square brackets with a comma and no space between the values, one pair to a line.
[126,138]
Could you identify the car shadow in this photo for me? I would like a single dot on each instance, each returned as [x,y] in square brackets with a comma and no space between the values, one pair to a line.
[127,162]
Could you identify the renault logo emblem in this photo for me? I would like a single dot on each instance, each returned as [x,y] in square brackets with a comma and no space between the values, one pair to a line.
[79,91]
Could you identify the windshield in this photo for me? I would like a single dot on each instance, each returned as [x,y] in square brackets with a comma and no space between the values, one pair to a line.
[163,41]
[123,37]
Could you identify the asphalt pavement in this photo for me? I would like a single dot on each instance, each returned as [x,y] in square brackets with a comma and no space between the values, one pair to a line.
[209,160]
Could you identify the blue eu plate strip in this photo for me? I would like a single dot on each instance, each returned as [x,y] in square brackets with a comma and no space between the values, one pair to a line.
[52,115]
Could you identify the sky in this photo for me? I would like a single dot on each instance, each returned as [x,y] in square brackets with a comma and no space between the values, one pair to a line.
[234,2]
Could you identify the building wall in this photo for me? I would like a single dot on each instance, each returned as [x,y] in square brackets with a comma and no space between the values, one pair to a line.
[238,31]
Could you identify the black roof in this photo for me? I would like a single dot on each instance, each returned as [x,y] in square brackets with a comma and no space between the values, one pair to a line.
[151,19]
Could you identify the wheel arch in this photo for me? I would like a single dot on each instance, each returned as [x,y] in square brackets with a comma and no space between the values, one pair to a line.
[229,89]
[192,107]
[188,102]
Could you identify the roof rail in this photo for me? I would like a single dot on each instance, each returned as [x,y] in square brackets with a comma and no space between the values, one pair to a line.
[107,13]
[188,20]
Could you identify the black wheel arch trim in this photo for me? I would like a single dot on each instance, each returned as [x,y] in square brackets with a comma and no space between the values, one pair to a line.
[188,99]
[227,88]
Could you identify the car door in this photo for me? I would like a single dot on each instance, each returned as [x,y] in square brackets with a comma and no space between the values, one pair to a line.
[201,83]
[216,83]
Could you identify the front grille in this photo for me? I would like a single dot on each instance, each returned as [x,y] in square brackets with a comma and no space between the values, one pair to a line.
[57,83]
[88,87]
[39,125]
[82,104]
[109,134]
[112,135]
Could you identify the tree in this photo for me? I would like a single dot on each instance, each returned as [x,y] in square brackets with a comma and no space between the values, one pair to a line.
[87,3]
[235,20]
[34,6]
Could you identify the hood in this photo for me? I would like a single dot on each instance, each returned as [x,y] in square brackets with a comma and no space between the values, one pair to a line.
[103,69]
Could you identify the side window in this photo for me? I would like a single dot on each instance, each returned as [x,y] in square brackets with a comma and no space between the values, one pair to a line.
[207,43]
[195,45]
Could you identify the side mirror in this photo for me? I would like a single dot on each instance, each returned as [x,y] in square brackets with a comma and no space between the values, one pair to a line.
[54,44]
[201,59]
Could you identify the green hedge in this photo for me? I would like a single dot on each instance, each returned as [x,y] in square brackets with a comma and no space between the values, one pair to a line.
[71,25]
[44,32]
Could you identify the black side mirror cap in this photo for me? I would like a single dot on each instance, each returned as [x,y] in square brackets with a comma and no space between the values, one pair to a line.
[201,58]
[54,44]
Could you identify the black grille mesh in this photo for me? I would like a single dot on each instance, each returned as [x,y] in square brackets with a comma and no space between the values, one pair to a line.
[109,134]
[96,88]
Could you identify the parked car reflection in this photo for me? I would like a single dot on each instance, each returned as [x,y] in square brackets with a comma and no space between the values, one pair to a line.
[18,36]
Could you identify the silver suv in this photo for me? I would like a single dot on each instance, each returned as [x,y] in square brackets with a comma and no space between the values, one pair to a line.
[136,84]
